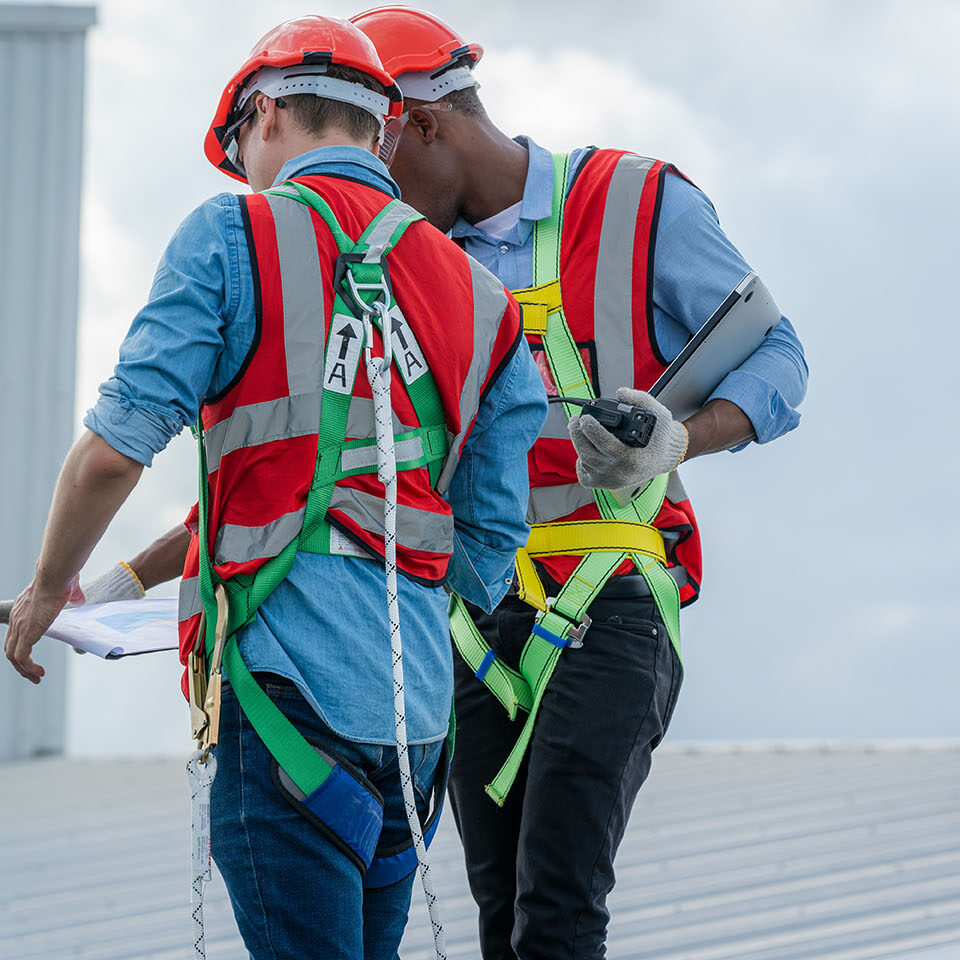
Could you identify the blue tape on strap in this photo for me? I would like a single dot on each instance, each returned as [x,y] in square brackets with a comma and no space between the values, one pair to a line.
[554,638]
[488,659]
[350,810]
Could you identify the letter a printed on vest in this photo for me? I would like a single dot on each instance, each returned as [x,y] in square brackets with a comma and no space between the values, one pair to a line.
[406,351]
[343,357]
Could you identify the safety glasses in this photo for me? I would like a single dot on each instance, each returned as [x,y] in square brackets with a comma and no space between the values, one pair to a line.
[230,140]
[393,129]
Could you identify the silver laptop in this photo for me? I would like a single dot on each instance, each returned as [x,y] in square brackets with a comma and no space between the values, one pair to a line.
[735,330]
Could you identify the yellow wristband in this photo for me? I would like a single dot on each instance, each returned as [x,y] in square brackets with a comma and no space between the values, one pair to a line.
[130,570]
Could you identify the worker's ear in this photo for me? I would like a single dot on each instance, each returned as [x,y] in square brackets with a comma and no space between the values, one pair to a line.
[268,117]
[424,123]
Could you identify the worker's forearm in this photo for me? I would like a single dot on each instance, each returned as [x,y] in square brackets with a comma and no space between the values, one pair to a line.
[717,426]
[163,559]
[94,482]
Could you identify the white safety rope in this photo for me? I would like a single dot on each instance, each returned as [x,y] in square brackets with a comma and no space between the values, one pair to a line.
[200,777]
[378,374]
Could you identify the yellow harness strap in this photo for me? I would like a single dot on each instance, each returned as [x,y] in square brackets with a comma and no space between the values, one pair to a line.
[577,538]
[529,586]
[536,303]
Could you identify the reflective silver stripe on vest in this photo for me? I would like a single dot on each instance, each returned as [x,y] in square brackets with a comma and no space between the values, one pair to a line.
[675,490]
[613,292]
[549,503]
[360,423]
[416,529]
[356,457]
[489,304]
[302,284]
[383,231]
[257,423]
[237,544]
[555,426]
[189,604]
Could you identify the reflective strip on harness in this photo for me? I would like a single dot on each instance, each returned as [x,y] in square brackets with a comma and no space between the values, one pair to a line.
[360,457]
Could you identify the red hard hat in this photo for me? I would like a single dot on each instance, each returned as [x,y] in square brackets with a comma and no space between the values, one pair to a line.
[412,40]
[311,40]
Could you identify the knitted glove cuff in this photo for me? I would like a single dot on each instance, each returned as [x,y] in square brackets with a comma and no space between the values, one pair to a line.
[118,583]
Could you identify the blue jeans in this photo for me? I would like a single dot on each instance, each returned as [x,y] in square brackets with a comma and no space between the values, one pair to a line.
[294,893]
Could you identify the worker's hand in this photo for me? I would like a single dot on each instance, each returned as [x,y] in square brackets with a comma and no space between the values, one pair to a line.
[604,461]
[33,612]
[118,583]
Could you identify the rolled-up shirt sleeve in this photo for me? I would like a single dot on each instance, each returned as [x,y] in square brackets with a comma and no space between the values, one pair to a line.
[168,358]
[491,487]
[695,269]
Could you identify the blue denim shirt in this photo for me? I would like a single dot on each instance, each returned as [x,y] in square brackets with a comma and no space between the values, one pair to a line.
[695,268]
[325,627]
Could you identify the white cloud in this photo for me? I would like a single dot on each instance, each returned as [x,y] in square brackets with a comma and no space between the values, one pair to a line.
[572,97]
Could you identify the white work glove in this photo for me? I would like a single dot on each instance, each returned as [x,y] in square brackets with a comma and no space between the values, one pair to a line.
[606,462]
[118,583]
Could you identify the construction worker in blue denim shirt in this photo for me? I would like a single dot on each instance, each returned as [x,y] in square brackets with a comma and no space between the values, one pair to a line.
[319,644]
[618,260]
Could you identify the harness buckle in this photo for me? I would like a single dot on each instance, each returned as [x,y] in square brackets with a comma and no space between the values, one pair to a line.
[197,682]
[580,628]
[205,685]
[343,277]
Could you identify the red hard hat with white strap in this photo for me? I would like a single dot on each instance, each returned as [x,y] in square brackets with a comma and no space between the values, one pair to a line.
[308,45]
[415,47]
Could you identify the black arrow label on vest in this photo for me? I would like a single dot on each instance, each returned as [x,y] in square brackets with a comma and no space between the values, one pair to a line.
[413,364]
[340,367]
[397,325]
[346,333]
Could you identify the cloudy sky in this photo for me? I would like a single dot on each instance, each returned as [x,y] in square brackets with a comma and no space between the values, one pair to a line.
[826,135]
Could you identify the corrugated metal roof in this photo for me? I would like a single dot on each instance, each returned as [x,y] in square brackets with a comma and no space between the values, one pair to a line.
[767,853]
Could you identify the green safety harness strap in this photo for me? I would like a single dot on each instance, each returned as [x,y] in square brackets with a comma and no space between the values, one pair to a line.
[305,767]
[565,620]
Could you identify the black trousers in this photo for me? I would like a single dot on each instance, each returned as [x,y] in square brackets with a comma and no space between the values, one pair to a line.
[540,867]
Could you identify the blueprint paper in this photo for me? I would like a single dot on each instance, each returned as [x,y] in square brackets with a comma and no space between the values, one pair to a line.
[120,629]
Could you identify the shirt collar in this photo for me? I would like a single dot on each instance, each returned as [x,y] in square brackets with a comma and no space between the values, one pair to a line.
[353,162]
[537,202]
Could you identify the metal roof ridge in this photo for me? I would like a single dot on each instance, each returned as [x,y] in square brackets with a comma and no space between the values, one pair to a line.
[812,745]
